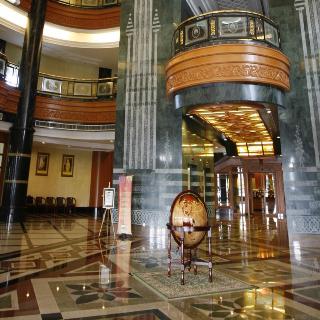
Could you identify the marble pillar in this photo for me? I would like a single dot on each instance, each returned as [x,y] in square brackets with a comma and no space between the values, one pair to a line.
[21,133]
[300,120]
[148,128]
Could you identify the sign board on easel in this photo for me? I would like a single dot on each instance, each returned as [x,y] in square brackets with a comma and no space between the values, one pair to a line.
[108,204]
[108,198]
[125,197]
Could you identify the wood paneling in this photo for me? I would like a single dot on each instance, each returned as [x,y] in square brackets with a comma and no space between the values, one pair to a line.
[228,63]
[68,16]
[101,175]
[60,109]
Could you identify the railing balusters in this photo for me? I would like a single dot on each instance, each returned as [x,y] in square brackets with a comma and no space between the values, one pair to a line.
[61,86]
[218,26]
[96,4]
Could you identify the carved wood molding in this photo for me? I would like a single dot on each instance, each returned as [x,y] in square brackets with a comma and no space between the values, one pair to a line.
[228,63]
[101,18]
[61,110]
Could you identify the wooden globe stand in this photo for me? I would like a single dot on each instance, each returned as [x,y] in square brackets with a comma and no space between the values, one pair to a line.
[187,259]
[188,226]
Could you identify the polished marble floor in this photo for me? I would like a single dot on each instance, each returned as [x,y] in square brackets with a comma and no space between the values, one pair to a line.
[50,268]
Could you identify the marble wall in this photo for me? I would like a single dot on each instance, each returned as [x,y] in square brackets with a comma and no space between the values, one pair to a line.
[148,130]
[300,120]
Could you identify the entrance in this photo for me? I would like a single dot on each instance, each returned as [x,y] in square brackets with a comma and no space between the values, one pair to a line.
[261,187]
[250,185]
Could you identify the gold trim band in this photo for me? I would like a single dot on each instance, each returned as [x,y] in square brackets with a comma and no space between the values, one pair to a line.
[16,181]
[24,155]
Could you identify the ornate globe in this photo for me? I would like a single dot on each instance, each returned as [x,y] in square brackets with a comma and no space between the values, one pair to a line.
[188,209]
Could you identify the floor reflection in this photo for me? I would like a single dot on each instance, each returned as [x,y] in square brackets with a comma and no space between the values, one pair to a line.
[51,268]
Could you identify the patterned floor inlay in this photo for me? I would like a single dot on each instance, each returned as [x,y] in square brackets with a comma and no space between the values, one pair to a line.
[150,261]
[138,315]
[246,305]
[26,265]
[76,293]
[194,284]
[256,276]
[269,273]
[9,301]
[309,292]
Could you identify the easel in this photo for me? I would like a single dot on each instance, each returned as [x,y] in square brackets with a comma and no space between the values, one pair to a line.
[108,213]
[108,204]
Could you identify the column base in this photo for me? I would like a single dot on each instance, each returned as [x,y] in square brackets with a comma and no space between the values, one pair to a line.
[12,214]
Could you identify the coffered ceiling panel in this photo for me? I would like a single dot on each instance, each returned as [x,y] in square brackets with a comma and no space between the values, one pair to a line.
[240,123]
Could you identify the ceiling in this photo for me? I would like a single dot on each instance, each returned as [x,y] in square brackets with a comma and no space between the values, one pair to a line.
[102,57]
[240,123]
[197,144]
[203,6]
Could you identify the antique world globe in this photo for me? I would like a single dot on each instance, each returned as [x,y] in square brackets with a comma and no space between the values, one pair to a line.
[188,209]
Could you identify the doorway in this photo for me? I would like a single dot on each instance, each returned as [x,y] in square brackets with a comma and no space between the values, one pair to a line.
[262,190]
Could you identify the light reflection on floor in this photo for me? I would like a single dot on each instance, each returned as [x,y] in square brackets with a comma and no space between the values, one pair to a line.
[49,269]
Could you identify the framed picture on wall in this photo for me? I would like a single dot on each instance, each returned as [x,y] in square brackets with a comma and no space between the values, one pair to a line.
[67,165]
[42,166]
[89,3]
[51,85]
[109,2]
[82,89]
[105,88]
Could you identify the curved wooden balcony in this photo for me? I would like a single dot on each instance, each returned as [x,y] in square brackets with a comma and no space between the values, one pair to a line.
[60,109]
[227,47]
[79,17]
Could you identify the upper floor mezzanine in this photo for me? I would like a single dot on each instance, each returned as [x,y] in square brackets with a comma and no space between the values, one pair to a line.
[61,99]
[81,14]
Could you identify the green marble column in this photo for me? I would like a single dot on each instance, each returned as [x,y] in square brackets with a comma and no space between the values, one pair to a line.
[300,120]
[148,130]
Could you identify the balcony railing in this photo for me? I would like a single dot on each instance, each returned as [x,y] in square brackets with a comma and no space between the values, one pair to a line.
[93,4]
[105,88]
[225,26]
[74,126]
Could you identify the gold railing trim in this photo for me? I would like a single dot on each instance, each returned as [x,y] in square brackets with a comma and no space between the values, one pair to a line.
[225,11]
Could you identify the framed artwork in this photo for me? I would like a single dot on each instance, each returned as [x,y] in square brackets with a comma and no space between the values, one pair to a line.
[82,89]
[108,198]
[51,85]
[105,88]
[109,2]
[42,166]
[67,165]
[90,3]
[233,27]
[196,32]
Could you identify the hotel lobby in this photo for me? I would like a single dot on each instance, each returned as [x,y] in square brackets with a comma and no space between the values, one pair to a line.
[199,119]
